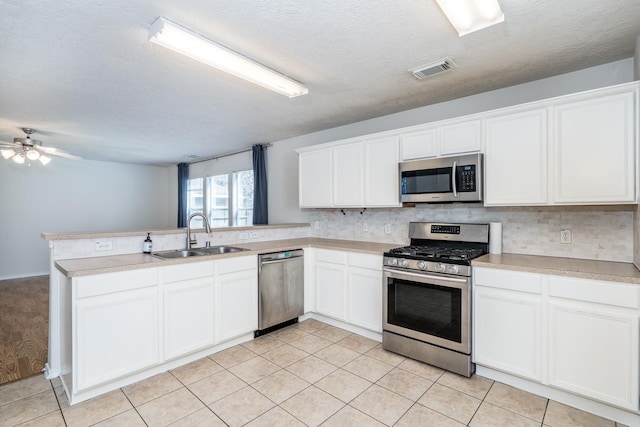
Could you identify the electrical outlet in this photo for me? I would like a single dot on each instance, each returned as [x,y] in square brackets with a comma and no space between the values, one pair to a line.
[316,225]
[565,236]
[104,245]
[253,234]
[365,227]
[387,229]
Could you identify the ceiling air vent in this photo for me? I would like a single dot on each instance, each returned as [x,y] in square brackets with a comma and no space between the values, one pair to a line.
[432,68]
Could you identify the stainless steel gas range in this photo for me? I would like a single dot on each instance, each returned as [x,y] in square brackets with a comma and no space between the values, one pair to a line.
[427,294]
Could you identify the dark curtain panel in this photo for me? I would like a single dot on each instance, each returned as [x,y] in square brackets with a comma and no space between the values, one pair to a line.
[260,209]
[183,176]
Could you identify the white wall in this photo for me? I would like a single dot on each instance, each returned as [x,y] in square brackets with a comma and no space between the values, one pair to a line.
[234,163]
[69,195]
[283,161]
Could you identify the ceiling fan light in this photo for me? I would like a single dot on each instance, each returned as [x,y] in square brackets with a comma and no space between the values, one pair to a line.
[18,158]
[33,155]
[7,154]
[44,160]
[468,16]
[182,40]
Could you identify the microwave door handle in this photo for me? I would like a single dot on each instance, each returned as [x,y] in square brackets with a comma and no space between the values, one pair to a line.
[453,179]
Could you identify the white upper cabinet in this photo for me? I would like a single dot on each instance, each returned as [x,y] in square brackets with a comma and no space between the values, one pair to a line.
[593,151]
[348,175]
[381,175]
[442,139]
[420,144]
[315,178]
[351,173]
[516,158]
[573,150]
[578,149]
[460,137]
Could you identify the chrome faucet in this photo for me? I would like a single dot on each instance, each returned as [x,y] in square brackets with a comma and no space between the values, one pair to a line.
[193,241]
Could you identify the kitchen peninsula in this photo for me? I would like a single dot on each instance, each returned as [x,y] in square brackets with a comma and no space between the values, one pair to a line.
[125,317]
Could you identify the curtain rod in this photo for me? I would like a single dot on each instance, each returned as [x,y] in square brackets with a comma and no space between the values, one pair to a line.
[232,153]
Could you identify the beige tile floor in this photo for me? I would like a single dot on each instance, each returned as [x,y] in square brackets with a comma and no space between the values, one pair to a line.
[309,374]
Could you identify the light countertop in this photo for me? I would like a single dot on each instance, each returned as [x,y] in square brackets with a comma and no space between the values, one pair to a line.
[110,264]
[581,268]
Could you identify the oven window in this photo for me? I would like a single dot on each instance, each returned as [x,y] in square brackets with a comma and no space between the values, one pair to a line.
[427,181]
[430,309]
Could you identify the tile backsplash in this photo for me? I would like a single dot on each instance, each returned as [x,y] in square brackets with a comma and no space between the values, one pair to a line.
[598,232]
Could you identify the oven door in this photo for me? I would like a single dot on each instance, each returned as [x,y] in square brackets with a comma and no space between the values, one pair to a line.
[428,307]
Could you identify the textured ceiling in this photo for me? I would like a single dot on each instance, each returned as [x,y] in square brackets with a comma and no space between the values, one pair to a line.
[84,75]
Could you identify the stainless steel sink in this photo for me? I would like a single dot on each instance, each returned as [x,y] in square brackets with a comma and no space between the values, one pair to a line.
[186,253]
[214,250]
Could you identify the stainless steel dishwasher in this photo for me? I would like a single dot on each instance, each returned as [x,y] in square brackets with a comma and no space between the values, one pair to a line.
[280,289]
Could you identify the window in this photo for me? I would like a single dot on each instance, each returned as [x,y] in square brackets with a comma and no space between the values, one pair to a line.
[228,199]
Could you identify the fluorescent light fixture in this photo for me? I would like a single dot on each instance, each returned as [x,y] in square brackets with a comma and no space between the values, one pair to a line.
[468,16]
[182,40]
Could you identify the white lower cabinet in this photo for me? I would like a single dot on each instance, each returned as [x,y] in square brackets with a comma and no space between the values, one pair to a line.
[188,316]
[123,324]
[593,351]
[507,331]
[349,287]
[115,335]
[364,292]
[236,306]
[578,335]
[331,285]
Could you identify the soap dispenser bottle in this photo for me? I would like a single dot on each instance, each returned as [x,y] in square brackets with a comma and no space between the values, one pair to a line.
[147,245]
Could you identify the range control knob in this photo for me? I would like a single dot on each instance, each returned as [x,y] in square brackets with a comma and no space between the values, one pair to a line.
[441,267]
[422,265]
[453,269]
[392,261]
[404,263]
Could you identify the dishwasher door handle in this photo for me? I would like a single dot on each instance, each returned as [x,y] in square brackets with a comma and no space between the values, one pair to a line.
[276,261]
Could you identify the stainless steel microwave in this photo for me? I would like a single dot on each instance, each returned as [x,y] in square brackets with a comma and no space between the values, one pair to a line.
[442,180]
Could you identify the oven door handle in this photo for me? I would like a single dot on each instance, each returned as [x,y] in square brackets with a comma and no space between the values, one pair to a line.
[426,276]
[454,179]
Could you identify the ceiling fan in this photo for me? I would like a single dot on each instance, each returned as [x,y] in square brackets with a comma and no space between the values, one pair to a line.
[22,149]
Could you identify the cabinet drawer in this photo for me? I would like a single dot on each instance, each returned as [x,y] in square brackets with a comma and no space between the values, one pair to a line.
[231,265]
[365,260]
[510,280]
[336,257]
[101,284]
[596,291]
[190,270]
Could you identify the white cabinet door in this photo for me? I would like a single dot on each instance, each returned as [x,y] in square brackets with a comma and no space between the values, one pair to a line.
[365,297]
[460,137]
[593,351]
[236,302]
[420,144]
[315,179]
[507,333]
[516,159]
[188,317]
[594,150]
[115,335]
[309,280]
[381,175]
[331,290]
[348,175]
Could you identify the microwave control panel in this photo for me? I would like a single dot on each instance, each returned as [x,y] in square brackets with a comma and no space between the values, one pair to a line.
[467,178]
